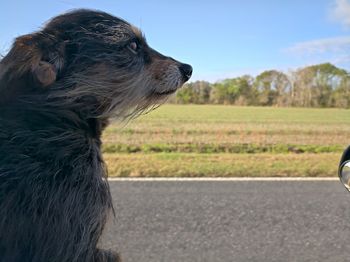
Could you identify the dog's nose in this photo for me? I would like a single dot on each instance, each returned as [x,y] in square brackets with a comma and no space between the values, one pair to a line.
[186,71]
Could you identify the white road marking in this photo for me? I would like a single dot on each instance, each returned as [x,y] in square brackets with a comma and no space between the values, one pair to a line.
[219,179]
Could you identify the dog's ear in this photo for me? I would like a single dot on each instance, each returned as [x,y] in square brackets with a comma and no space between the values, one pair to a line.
[32,57]
[44,73]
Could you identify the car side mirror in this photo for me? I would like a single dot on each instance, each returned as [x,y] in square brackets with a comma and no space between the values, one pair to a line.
[344,169]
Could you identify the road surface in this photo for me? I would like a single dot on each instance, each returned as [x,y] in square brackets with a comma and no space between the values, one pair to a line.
[230,221]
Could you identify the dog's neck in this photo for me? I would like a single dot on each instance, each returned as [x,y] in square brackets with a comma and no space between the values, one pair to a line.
[96,126]
[57,119]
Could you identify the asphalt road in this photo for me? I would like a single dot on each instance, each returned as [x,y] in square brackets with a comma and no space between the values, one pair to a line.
[230,221]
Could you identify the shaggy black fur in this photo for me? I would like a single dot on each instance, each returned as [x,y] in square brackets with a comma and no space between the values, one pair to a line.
[58,88]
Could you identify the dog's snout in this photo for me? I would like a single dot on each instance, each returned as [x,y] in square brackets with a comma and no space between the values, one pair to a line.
[186,71]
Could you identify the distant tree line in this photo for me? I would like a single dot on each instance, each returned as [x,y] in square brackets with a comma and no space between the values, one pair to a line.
[323,85]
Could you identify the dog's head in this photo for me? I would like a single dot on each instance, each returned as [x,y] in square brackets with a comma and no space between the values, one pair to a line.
[92,59]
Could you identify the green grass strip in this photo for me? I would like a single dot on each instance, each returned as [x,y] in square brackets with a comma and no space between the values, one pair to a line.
[222,165]
[221,148]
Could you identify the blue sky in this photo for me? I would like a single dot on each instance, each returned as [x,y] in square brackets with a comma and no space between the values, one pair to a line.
[219,38]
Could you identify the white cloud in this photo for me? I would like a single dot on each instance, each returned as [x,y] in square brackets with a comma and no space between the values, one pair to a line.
[341,12]
[321,46]
[342,60]
[334,50]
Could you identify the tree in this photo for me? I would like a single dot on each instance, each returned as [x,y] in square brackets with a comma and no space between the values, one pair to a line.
[197,93]
[323,85]
[246,93]
[341,94]
[315,85]
[185,95]
[229,91]
[273,88]
[201,91]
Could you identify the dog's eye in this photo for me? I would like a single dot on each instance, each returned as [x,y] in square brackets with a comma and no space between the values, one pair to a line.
[133,46]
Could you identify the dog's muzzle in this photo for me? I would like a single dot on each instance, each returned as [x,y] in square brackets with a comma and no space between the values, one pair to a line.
[186,71]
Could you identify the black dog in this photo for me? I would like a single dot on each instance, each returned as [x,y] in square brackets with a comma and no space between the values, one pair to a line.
[59,87]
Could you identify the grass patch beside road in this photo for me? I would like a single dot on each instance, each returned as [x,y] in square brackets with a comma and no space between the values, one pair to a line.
[222,165]
[207,140]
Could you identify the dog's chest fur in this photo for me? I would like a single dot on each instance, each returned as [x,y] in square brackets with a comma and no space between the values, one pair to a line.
[53,175]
